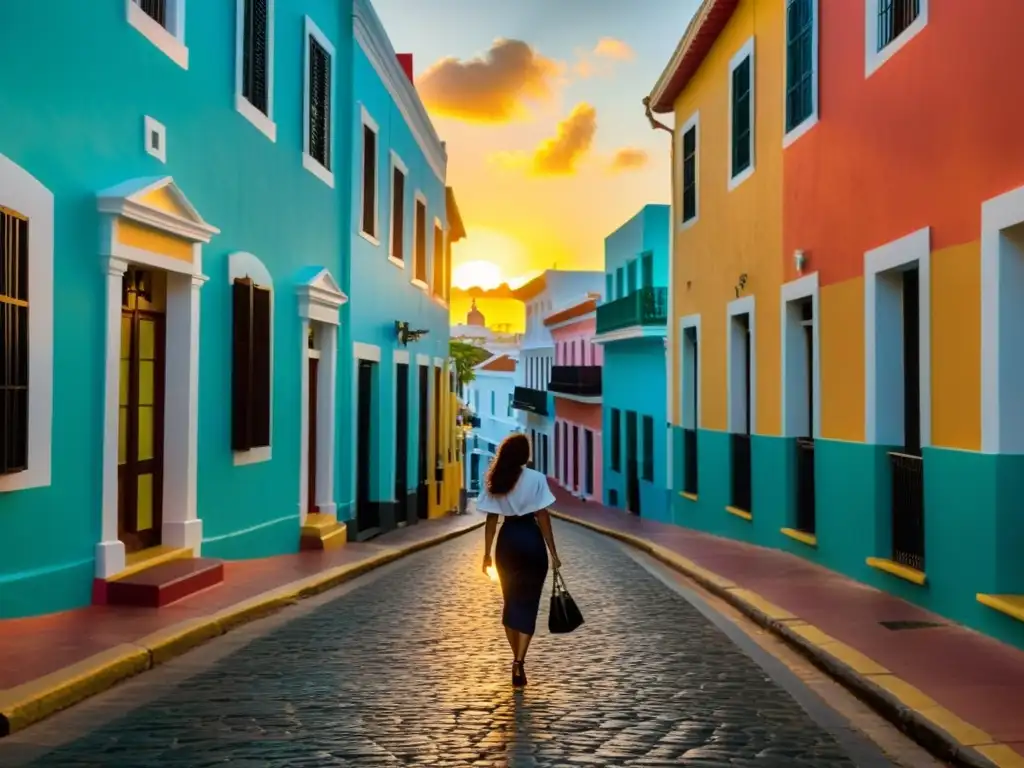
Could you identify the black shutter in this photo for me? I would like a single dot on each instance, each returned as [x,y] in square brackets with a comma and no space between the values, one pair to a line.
[420,256]
[13,342]
[369,181]
[254,62]
[156,10]
[261,374]
[319,103]
[241,370]
[398,215]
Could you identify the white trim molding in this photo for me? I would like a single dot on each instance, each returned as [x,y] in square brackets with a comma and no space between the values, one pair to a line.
[376,46]
[745,52]
[320,298]
[154,137]
[264,123]
[875,58]
[133,200]
[1002,317]
[692,122]
[736,370]
[883,341]
[326,175]
[22,192]
[396,164]
[632,332]
[169,39]
[689,412]
[790,136]
[794,358]
[243,265]
[367,121]
[325,352]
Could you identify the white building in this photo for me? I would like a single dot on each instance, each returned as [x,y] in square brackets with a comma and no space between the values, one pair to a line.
[475,331]
[489,396]
[543,295]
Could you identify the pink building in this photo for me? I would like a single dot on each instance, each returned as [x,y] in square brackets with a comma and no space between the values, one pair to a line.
[576,387]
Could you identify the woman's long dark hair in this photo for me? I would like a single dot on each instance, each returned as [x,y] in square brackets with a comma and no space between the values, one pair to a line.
[513,455]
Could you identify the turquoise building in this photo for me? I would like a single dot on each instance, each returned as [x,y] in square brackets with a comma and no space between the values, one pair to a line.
[196,321]
[631,326]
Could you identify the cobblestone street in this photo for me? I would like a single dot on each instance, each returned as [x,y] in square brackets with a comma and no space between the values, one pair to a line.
[411,668]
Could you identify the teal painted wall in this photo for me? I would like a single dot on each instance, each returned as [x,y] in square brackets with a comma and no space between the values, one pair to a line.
[974,533]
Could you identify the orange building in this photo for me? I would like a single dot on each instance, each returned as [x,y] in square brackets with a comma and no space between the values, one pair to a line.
[848,291]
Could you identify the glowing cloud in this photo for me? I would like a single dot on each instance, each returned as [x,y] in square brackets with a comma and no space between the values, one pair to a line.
[628,159]
[491,88]
[610,48]
[560,155]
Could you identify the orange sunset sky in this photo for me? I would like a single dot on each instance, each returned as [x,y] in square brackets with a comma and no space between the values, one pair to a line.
[540,105]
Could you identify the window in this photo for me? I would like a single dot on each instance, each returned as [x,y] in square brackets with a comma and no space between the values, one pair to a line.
[438,258]
[609,287]
[689,179]
[620,282]
[509,414]
[631,276]
[890,25]
[398,176]
[250,375]
[616,439]
[894,18]
[368,223]
[647,270]
[162,22]
[419,255]
[254,64]
[14,320]
[493,409]
[318,114]
[647,427]
[741,114]
[801,63]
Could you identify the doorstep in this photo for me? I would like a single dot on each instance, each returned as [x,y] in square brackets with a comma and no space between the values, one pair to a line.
[916,665]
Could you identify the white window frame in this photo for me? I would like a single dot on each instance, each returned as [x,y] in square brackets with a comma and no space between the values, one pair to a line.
[26,195]
[686,407]
[1002,311]
[397,165]
[789,137]
[746,51]
[737,408]
[794,373]
[169,39]
[366,121]
[874,58]
[692,122]
[264,123]
[883,349]
[326,175]
[151,126]
[245,265]
[419,197]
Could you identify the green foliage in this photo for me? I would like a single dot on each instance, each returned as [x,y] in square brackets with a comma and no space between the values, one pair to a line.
[466,357]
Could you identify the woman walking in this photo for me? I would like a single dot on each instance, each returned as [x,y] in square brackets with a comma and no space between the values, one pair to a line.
[521,496]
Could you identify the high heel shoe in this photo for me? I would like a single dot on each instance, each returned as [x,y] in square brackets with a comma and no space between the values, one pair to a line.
[518,674]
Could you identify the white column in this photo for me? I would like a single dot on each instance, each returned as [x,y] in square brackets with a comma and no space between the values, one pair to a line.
[327,374]
[304,423]
[110,556]
[182,526]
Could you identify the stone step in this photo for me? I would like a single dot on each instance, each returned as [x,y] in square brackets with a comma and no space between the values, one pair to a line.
[165,583]
[322,532]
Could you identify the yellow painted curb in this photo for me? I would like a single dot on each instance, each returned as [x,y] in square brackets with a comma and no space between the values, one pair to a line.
[957,734]
[33,701]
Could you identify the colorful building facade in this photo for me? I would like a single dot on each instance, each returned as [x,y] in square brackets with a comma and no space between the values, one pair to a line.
[489,397]
[178,224]
[841,370]
[631,327]
[575,384]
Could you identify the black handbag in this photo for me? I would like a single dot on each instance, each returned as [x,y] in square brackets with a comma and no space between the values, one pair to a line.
[564,616]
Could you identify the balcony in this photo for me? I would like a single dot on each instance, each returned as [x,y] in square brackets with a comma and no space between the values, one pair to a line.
[532,400]
[582,381]
[646,308]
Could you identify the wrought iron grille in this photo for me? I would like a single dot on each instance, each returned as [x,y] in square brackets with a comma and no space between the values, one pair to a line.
[254,63]
[894,16]
[14,319]
[907,510]
[741,495]
[155,9]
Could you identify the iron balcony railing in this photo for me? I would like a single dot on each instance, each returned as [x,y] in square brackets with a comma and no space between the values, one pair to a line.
[645,307]
[741,495]
[690,461]
[805,514]
[529,399]
[581,380]
[907,510]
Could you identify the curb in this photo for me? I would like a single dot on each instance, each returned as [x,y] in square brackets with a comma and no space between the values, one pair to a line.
[36,700]
[932,726]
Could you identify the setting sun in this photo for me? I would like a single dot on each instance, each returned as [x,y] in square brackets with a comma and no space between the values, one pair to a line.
[476,274]
[487,258]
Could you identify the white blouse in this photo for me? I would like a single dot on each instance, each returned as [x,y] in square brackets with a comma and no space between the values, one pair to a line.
[530,494]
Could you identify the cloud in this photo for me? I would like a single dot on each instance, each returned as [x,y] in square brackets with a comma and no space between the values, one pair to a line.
[601,58]
[559,156]
[610,48]
[491,88]
[628,159]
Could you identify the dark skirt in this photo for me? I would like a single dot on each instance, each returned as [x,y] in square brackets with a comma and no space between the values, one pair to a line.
[522,561]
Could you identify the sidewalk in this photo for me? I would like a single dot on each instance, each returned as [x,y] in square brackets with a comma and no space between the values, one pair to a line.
[50,662]
[953,689]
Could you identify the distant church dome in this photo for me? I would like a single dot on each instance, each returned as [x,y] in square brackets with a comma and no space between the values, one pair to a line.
[475,316]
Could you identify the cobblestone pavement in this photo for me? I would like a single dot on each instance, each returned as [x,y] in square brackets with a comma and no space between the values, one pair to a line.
[412,670]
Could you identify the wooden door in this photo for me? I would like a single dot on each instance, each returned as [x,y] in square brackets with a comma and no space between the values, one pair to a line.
[311,506]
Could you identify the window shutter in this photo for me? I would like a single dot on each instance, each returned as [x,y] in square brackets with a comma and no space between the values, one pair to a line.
[254,76]
[14,321]
[438,260]
[398,215]
[421,242]
[741,117]
[241,370]
[319,103]
[369,181]
[261,374]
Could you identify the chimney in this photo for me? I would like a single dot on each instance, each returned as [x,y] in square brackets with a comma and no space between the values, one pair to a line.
[405,62]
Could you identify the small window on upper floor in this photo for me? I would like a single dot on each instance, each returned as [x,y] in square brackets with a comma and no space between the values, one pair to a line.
[398,194]
[688,155]
[620,282]
[419,253]
[438,282]
[319,114]
[254,65]
[368,217]
[250,375]
[608,287]
[894,18]
[647,270]
[162,22]
[14,350]
[801,67]
[890,24]
[741,115]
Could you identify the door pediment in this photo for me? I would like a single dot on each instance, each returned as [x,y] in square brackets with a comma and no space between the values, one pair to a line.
[157,203]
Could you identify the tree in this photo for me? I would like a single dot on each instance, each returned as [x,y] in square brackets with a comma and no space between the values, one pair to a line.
[466,356]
